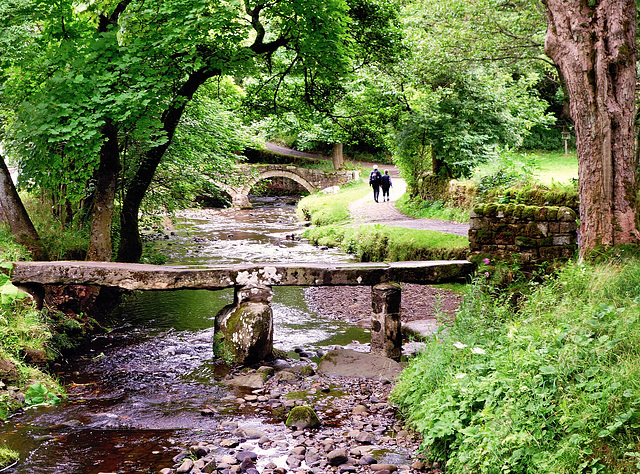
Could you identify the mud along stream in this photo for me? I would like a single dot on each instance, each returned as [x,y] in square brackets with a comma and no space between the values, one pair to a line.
[135,394]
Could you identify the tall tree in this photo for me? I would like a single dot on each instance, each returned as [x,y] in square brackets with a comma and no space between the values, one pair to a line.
[111,80]
[594,45]
[15,215]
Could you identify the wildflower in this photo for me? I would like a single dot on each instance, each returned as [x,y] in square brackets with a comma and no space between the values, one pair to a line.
[486,261]
[478,350]
[487,274]
[459,345]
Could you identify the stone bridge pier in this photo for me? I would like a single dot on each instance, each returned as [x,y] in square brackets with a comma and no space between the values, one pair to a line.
[244,328]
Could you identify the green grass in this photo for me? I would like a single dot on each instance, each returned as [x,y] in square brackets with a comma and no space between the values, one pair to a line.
[325,209]
[379,243]
[431,210]
[7,456]
[556,167]
[538,375]
[9,250]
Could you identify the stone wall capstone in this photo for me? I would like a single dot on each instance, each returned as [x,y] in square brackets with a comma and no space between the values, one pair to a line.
[527,234]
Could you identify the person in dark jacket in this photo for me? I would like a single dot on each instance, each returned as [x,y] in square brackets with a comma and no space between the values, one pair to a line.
[385,183]
[375,178]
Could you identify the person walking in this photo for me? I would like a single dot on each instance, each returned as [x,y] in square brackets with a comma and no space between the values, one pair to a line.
[385,184]
[375,178]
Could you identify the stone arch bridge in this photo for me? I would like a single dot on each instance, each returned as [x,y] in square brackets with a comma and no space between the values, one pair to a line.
[311,179]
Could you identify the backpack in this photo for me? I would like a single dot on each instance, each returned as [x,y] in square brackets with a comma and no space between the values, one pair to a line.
[375,177]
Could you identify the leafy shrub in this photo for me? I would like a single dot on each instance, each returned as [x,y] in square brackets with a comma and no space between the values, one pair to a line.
[504,171]
[547,385]
[38,394]
[420,209]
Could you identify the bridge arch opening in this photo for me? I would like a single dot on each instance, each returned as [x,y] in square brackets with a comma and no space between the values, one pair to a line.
[279,183]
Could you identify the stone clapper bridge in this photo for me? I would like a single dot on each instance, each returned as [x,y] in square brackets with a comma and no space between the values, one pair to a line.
[245,327]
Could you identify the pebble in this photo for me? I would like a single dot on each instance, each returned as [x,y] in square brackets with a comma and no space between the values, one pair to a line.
[357,425]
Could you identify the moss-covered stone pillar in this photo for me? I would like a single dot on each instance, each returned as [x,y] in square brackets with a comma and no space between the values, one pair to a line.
[244,329]
[386,337]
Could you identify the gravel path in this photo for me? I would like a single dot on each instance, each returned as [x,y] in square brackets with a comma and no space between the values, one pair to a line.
[367,211]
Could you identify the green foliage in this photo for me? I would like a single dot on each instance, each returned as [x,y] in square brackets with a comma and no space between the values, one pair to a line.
[504,171]
[9,250]
[8,292]
[380,243]
[542,383]
[39,394]
[421,209]
[465,121]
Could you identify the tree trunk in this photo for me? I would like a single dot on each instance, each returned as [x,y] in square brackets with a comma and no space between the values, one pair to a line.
[130,249]
[100,247]
[594,48]
[337,156]
[15,215]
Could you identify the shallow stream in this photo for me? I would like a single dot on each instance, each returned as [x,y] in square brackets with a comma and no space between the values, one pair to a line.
[135,394]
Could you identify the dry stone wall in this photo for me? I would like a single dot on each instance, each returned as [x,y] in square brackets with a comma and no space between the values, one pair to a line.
[528,234]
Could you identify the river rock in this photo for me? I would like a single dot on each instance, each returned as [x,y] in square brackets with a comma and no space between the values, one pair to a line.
[349,363]
[337,457]
[302,417]
[365,437]
[249,433]
[186,466]
[255,380]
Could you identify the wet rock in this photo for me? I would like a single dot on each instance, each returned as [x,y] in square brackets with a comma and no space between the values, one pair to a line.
[242,455]
[337,457]
[228,443]
[186,466]
[380,468]
[302,417]
[349,363]
[249,433]
[365,438]
[367,460]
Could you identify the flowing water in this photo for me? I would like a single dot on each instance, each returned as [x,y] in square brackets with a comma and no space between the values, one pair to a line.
[135,394]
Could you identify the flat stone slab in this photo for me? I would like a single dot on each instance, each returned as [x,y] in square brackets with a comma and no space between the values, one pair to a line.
[420,327]
[349,363]
[162,277]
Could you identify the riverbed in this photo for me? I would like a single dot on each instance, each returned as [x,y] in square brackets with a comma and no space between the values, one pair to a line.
[135,394]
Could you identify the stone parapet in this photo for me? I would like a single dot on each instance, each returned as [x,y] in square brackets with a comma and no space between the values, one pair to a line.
[528,234]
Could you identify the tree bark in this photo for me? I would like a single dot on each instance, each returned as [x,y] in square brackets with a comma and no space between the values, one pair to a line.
[130,249]
[593,44]
[337,156]
[100,246]
[15,215]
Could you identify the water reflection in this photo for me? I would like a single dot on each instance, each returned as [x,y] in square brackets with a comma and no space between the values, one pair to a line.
[137,392]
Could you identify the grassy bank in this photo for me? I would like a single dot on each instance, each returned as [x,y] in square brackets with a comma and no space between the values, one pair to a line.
[534,376]
[431,210]
[379,243]
[29,339]
[326,209]
[372,243]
